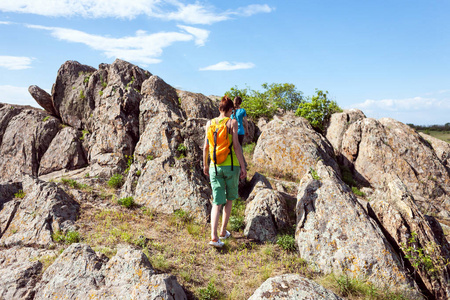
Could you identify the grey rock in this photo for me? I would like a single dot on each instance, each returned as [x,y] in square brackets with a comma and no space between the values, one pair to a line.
[79,273]
[292,287]
[180,186]
[289,146]
[25,140]
[30,221]
[197,105]
[338,125]
[43,98]
[441,148]
[65,152]
[376,148]
[400,217]
[337,236]
[20,270]
[266,215]
[7,191]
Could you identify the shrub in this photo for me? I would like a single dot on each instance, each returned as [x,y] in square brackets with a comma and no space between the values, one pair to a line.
[69,238]
[208,293]
[318,110]
[85,133]
[82,96]
[357,192]
[314,174]
[20,194]
[127,202]
[46,119]
[286,242]
[116,181]
[236,223]
[149,157]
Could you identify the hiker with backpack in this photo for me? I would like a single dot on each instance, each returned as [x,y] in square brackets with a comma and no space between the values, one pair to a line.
[227,166]
[241,116]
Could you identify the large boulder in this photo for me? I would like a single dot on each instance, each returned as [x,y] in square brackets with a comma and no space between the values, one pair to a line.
[441,148]
[31,221]
[289,146]
[25,139]
[335,233]
[292,287]
[197,105]
[43,98]
[410,232]
[65,152]
[20,270]
[266,215]
[79,273]
[374,148]
[69,93]
[168,184]
[338,125]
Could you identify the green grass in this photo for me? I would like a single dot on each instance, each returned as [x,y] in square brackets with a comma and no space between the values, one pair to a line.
[116,181]
[76,185]
[249,148]
[46,119]
[69,238]
[287,242]
[127,202]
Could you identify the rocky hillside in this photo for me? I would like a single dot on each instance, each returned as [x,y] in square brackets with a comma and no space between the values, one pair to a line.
[369,199]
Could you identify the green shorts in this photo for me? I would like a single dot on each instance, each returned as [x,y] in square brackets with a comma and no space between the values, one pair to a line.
[225,184]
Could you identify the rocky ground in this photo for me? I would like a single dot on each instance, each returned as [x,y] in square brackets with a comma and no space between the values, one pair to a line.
[362,209]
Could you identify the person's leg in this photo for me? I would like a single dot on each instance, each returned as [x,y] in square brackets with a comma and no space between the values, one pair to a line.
[225,217]
[215,212]
[218,187]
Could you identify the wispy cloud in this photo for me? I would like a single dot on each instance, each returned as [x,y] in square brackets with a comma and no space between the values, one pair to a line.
[253,10]
[143,47]
[197,13]
[201,35]
[416,110]
[16,95]
[15,62]
[227,66]
[5,23]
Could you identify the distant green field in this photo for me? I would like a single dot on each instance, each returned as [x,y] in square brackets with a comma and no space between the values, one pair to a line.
[442,135]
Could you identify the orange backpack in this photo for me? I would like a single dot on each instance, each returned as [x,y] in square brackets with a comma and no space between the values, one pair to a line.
[219,144]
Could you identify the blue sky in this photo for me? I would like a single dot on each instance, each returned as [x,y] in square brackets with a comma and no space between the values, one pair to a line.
[388,58]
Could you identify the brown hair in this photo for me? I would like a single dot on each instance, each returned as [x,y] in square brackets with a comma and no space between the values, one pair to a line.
[238,100]
[225,104]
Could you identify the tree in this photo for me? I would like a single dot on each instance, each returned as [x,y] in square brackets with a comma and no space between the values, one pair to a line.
[319,110]
[265,103]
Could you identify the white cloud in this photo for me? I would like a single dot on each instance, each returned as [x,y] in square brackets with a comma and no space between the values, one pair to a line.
[5,23]
[143,47]
[16,95]
[416,110]
[175,10]
[227,66]
[201,35]
[253,10]
[15,62]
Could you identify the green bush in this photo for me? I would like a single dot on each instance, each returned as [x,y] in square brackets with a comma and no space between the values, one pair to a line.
[314,174]
[116,181]
[286,242]
[208,293]
[69,238]
[236,223]
[127,202]
[20,194]
[357,192]
[318,110]
[265,103]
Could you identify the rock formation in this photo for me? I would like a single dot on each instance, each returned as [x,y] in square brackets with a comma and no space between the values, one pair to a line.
[121,119]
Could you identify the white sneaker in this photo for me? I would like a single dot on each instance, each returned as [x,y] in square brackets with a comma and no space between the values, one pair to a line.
[227,235]
[218,244]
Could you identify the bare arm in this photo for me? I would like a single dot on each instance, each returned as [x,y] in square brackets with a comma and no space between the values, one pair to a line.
[238,149]
[206,151]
